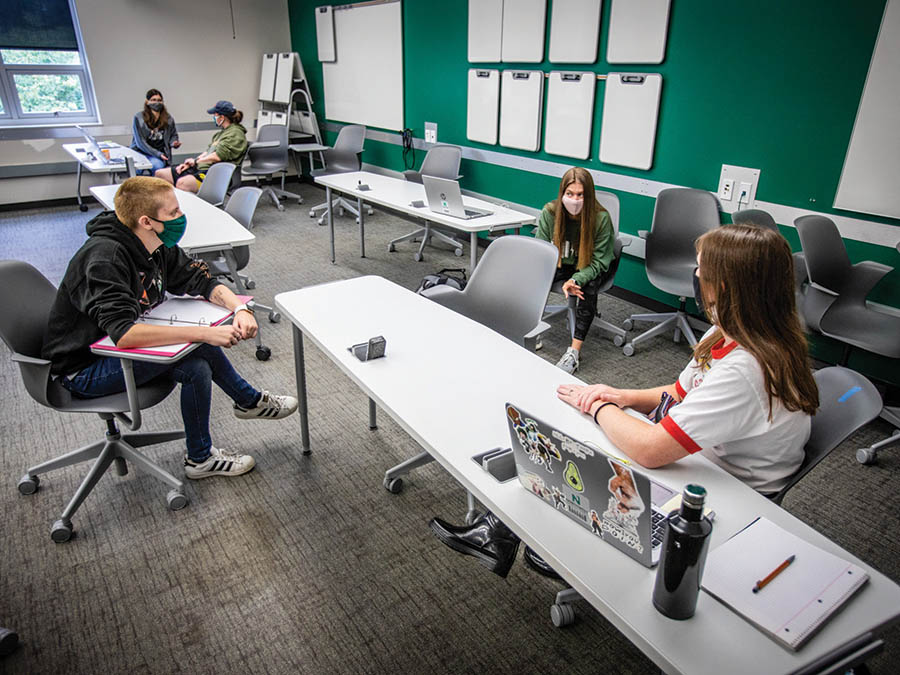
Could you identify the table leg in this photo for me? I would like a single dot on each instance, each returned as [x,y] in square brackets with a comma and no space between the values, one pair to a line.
[81,205]
[362,227]
[302,410]
[373,422]
[473,251]
[330,220]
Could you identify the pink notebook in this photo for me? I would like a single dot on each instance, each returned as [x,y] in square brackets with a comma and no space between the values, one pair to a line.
[174,311]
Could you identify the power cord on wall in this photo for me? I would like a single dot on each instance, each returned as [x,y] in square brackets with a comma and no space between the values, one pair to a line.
[409,151]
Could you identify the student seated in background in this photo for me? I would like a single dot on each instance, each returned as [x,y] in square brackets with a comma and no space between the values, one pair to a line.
[582,231]
[229,144]
[153,132]
[744,401]
[129,261]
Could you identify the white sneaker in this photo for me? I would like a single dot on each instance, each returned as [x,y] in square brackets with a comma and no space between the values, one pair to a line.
[569,361]
[219,463]
[269,407]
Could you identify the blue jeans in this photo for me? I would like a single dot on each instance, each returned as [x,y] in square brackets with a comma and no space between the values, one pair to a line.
[156,163]
[195,372]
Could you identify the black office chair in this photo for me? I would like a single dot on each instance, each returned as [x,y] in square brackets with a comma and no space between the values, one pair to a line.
[834,304]
[24,309]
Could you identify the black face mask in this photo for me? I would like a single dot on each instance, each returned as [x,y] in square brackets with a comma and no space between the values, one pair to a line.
[156,107]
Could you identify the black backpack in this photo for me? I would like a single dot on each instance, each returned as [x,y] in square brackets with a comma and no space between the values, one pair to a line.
[455,278]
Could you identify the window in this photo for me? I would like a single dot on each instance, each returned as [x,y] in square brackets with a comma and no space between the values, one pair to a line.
[44,77]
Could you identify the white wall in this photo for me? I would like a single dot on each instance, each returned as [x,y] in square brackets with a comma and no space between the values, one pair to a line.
[183,48]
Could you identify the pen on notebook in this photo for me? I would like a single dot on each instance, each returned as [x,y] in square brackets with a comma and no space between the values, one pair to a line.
[778,570]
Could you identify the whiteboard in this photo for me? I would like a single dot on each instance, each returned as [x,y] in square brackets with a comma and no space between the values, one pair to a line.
[521,101]
[523,31]
[574,31]
[637,31]
[570,111]
[630,111]
[869,179]
[483,105]
[365,84]
[267,77]
[325,33]
[485,30]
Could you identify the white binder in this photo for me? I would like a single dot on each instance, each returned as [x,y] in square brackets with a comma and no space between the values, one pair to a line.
[630,112]
[325,33]
[570,112]
[521,99]
[267,77]
[289,69]
[483,105]
[485,29]
[574,31]
[523,31]
[637,31]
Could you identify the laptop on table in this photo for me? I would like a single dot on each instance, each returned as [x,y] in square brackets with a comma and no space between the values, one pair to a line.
[95,148]
[603,494]
[444,196]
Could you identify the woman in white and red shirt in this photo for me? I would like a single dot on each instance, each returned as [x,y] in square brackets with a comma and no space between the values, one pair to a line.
[746,397]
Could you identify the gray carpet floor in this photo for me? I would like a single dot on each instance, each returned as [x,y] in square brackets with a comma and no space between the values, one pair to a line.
[308,564]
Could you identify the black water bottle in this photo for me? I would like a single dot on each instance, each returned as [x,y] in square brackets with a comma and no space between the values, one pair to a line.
[684,547]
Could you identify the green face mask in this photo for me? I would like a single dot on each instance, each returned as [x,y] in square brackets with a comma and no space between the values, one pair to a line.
[173,230]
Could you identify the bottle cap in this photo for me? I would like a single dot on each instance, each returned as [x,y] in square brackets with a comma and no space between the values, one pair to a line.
[693,496]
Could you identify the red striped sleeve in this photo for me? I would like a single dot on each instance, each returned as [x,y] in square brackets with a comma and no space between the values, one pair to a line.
[680,390]
[678,434]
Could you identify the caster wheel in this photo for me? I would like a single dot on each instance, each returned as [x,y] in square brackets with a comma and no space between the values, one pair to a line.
[280,207]
[863,456]
[562,615]
[618,340]
[61,531]
[370,212]
[312,214]
[28,485]
[628,350]
[357,221]
[418,257]
[176,500]
[391,248]
[393,485]
[458,252]
[627,324]
[263,353]
[250,284]
[82,207]
[274,317]
[299,201]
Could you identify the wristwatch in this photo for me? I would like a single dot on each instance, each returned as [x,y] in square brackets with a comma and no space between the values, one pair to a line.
[244,307]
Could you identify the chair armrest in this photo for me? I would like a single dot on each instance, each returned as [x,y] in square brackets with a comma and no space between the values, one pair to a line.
[133,419]
[643,234]
[263,144]
[447,296]
[30,360]
[865,275]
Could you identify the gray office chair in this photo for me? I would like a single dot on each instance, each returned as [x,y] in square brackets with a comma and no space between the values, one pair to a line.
[681,216]
[503,298]
[756,217]
[216,183]
[241,206]
[611,203]
[24,308]
[441,161]
[129,166]
[269,155]
[343,157]
[834,304]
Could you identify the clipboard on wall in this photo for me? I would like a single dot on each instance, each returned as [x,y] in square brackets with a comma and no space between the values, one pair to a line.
[521,101]
[325,33]
[637,31]
[483,105]
[630,113]
[574,31]
[485,30]
[570,112]
[523,31]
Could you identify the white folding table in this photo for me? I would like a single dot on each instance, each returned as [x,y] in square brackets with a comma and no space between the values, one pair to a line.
[88,160]
[454,408]
[398,194]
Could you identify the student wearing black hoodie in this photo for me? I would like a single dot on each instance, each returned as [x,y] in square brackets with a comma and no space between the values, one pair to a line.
[124,269]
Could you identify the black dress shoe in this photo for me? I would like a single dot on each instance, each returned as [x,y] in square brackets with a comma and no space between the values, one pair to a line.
[487,539]
[538,564]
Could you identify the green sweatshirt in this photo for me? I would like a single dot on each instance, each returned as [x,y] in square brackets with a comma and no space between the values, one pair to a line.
[229,144]
[604,238]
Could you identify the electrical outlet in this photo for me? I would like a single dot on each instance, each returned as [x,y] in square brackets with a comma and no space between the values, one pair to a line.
[744,193]
[726,189]
[430,132]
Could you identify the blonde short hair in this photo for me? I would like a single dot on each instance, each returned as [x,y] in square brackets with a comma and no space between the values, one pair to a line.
[139,196]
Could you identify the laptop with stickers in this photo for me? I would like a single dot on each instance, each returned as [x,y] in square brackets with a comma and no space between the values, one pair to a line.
[602,493]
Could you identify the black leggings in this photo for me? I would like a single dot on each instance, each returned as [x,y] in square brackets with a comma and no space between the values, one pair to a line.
[586,309]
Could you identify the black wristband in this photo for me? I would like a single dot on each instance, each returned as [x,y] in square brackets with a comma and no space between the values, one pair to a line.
[601,407]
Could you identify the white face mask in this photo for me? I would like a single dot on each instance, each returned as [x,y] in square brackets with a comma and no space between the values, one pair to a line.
[573,206]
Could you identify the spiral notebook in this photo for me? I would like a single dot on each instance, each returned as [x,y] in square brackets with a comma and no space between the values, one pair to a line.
[799,600]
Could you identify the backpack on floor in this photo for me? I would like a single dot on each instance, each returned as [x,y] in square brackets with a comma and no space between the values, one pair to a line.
[455,278]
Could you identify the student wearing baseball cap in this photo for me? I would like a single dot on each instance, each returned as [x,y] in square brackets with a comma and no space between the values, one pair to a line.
[229,144]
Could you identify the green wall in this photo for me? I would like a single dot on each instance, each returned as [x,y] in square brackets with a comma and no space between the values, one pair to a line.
[775,87]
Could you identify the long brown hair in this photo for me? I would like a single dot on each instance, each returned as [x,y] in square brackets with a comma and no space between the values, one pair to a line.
[747,282]
[160,122]
[588,215]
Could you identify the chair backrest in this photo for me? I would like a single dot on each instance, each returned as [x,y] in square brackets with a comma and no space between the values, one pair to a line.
[827,262]
[129,166]
[680,217]
[500,296]
[847,401]
[351,138]
[274,158]
[216,184]
[242,205]
[442,161]
[756,217]
[610,202]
